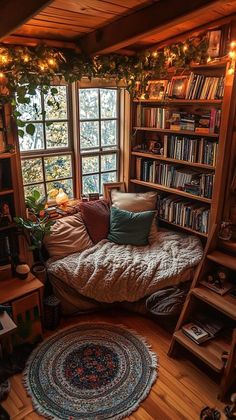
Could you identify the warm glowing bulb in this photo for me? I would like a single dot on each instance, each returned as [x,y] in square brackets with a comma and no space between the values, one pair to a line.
[4,59]
[155,54]
[185,47]
[26,58]
[2,75]
[231,71]
[42,67]
[233,44]
[232,54]
[52,62]
[209,59]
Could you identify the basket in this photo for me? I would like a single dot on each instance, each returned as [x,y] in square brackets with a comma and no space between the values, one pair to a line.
[52,312]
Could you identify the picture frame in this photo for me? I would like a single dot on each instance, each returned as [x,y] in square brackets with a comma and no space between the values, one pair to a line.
[178,87]
[156,89]
[109,186]
[214,46]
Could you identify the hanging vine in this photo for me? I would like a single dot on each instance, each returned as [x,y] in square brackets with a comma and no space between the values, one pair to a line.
[25,69]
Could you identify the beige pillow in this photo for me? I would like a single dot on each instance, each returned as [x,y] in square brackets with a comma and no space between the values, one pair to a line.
[67,235]
[137,202]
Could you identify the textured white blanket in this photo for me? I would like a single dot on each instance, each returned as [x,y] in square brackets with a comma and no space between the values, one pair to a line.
[108,272]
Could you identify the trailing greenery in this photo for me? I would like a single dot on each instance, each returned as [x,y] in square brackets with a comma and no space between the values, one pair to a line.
[23,69]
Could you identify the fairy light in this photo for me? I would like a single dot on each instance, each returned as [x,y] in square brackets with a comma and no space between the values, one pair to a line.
[208,59]
[42,66]
[233,44]
[52,62]
[2,75]
[155,54]
[26,58]
[185,48]
[231,71]
[4,59]
[232,56]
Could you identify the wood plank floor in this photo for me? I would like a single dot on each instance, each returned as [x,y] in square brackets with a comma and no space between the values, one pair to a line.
[180,392]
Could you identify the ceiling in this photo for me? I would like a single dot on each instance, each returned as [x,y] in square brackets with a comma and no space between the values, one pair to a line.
[98,26]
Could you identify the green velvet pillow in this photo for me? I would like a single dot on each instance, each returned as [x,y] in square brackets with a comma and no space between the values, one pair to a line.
[127,227]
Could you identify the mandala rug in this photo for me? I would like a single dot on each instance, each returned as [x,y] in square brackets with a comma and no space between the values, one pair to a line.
[90,371]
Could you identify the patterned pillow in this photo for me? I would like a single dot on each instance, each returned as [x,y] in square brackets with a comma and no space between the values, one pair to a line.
[96,217]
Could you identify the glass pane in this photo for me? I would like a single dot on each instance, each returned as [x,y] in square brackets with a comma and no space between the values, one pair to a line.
[90,184]
[108,162]
[57,135]
[109,177]
[39,187]
[65,184]
[90,164]
[32,170]
[89,134]
[33,110]
[32,142]
[56,105]
[57,167]
[88,104]
[108,133]
[108,103]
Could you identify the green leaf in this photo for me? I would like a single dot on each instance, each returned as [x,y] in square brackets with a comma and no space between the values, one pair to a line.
[21,133]
[50,103]
[54,91]
[48,123]
[30,129]
[20,123]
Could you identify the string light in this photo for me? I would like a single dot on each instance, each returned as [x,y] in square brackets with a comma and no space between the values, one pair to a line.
[4,59]
[42,66]
[155,54]
[185,47]
[233,44]
[26,58]
[232,55]
[52,62]
[2,75]
[231,71]
[208,59]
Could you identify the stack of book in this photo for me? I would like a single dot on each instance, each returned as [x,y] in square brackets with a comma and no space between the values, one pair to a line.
[151,117]
[173,176]
[183,213]
[204,87]
[192,149]
[207,122]
[202,329]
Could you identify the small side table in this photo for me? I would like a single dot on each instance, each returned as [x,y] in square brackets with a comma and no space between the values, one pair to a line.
[8,328]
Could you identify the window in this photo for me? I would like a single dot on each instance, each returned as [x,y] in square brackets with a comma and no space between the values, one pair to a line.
[99,144]
[47,153]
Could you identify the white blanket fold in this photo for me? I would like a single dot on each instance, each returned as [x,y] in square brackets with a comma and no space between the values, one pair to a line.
[108,272]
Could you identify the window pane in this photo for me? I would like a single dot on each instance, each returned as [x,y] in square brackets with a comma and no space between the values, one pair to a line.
[65,184]
[90,164]
[33,110]
[108,133]
[57,167]
[32,142]
[90,184]
[88,104]
[39,187]
[32,170]
[108,162]
[109,177]
[108,103]
[56,105]
[57,135]
[89,134]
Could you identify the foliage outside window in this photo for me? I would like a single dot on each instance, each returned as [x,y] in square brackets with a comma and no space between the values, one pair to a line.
[46,151]
[99,144]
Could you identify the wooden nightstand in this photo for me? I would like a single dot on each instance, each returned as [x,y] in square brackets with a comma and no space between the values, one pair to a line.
[26,300]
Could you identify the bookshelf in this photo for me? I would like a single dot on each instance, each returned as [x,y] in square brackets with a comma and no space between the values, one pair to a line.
[11,203]
[191,139]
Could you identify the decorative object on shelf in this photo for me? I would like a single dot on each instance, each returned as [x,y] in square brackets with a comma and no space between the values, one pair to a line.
[109,348]
[62,198]
[109,186]
[178,87]
[5,215]
[22,270]
[218,281]
[230,410]
[93,196]
[225,231]
[214,38]
[26,315]
[156,89]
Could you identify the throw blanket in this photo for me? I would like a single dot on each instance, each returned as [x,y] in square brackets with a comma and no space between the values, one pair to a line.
[108,272]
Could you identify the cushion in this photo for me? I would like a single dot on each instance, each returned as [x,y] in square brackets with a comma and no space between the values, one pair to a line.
[67,235]
[128,227]
[137,202]
[96,217]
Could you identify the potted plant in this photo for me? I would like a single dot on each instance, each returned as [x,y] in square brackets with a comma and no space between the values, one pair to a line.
[34,228]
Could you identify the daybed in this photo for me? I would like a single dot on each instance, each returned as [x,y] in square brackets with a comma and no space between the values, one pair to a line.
[106,273]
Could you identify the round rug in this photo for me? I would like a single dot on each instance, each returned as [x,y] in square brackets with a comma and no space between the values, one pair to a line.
[90,371]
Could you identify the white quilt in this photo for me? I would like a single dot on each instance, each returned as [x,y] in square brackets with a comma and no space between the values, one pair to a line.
[108,272]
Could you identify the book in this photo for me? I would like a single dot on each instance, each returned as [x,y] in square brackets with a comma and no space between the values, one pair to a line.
[226,287]
[195,332]
[202,329]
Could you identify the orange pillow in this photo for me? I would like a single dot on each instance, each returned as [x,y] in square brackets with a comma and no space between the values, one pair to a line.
[96,217]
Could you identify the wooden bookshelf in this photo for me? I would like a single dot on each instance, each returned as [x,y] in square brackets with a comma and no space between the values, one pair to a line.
[171,160]
[225,304]
[195,232]
[171,190]
[180,132]
[222,258]
[190,102]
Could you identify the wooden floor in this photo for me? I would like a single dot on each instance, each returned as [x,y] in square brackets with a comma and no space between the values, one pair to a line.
[180,392]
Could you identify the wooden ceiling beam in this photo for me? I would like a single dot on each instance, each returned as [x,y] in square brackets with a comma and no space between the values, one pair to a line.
[32,42]
[14,14]
[145,22]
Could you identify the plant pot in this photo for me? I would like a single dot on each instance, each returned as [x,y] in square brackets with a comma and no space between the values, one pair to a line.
[40,271]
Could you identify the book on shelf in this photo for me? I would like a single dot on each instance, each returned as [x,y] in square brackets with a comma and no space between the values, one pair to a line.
[202,329]
[225,287]
[184,213]
[192,150]
[204,87]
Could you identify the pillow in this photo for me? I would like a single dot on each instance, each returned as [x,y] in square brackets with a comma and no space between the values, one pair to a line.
[128,227]
[137,202]
[67,235]
[96,217]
